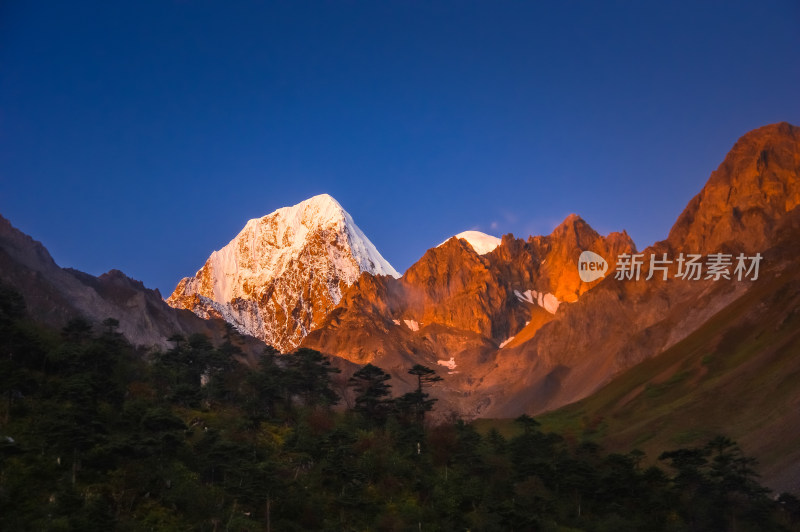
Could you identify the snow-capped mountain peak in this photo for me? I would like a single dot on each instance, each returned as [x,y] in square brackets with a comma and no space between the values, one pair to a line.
[283,272]
[480,242]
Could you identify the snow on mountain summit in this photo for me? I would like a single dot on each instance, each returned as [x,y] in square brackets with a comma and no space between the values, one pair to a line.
[283,272]
[287,230]
[480,242]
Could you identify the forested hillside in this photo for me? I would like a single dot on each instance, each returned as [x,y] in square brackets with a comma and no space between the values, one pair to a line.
[95,435]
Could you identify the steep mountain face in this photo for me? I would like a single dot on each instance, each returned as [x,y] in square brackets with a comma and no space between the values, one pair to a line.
[455,308]
[498,324]
[283,273]
[55,295]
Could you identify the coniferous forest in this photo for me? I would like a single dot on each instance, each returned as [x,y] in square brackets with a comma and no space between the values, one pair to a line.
[96,434]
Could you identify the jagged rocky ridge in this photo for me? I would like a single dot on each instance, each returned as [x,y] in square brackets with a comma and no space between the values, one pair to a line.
[455,309]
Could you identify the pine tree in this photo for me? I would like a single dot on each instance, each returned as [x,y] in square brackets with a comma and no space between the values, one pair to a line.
[371,388]
[418,402]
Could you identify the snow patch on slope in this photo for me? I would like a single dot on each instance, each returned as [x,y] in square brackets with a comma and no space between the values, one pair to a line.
[547,301]
[449,364]
[506,342]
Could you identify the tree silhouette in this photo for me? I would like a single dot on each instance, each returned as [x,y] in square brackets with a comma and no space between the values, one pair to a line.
[416,403]
[371,388]
[424,375]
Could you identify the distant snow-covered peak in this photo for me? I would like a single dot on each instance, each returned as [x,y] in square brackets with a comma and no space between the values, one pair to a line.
[286,231]
[283,272]
[480,242]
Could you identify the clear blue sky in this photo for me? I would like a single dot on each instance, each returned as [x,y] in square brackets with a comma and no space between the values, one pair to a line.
[143,135]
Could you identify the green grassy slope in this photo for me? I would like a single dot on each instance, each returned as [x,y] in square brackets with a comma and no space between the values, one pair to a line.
[736,375]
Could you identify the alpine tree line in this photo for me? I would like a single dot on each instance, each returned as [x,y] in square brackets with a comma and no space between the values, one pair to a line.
[96,434]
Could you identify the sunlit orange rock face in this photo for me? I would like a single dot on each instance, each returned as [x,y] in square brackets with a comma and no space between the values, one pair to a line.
[479,318]
[456,304]
[747,196]
[454,286]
